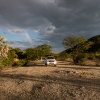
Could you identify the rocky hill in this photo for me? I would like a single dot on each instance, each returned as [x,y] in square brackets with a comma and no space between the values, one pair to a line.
[96,44]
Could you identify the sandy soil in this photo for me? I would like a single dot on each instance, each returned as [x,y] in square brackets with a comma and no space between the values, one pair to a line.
[63,82]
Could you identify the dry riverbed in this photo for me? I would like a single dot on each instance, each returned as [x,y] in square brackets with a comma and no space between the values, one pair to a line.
[63,82]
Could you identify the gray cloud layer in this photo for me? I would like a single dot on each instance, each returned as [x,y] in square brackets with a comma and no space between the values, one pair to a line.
[54,19]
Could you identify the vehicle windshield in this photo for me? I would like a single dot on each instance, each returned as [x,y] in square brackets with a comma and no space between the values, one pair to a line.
[50,58]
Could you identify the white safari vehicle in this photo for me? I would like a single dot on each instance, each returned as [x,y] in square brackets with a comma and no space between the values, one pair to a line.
[49,60]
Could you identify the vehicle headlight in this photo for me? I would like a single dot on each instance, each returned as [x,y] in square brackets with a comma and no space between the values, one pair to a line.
[55,62]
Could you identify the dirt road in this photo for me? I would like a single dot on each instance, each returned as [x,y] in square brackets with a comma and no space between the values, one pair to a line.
[63,82]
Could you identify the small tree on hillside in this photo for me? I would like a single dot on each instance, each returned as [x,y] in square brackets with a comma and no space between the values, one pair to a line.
[77,44]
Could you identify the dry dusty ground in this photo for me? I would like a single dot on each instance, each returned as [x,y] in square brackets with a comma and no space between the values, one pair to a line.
[63,82]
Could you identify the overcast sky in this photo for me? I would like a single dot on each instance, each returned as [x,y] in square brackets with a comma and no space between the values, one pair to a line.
[29,23]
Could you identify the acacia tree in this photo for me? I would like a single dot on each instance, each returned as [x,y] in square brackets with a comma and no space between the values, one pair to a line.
[38,52]
[77,44]
[30,54]
[44,50]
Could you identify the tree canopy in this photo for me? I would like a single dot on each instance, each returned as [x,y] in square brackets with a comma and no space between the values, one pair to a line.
[77,44]
[72,40]
[38,52]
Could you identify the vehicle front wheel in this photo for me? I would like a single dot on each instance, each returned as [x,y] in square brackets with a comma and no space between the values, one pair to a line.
[46,65]
[55,65]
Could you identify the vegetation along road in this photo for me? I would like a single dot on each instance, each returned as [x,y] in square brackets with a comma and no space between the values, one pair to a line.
[63,82]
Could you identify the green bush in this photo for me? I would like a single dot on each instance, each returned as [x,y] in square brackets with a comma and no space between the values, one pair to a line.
[1,64]
[91,56]
[6,61]
[97,55]
[21,62]
[80,57]
[9,60]
[63,56]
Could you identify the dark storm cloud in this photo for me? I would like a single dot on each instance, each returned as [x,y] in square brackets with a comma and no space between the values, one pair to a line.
[54,19]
